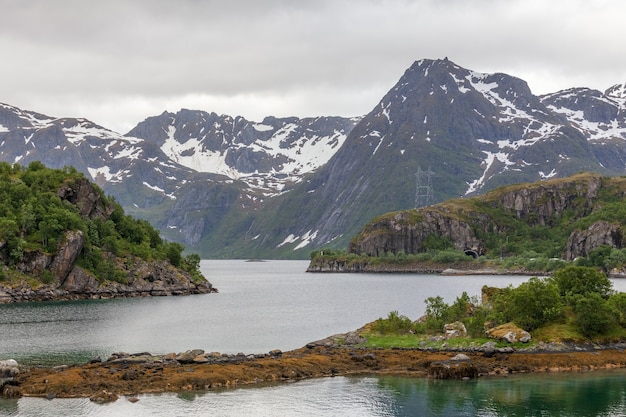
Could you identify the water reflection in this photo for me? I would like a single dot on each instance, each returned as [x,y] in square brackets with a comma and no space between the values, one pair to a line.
[592,394]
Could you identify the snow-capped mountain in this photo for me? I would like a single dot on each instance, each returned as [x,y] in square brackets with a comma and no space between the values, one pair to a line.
[465,132]
[266,156]
[182,171]
[229,187]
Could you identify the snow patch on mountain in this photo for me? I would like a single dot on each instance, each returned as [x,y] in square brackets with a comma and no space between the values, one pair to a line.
[160,190]
[105,173]
[598,125]
[306,239]
[290,150]
[488,164]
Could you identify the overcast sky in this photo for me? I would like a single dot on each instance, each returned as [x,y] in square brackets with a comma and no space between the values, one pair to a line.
[117,62]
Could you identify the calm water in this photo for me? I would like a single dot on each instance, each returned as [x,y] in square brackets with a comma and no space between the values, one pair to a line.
[267,305]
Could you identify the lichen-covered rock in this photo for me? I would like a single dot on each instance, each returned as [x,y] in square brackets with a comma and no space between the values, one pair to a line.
[66,255]
[456,329]
[510,333]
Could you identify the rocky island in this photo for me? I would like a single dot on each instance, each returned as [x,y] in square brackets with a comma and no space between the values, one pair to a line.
[61,238]
[129,375]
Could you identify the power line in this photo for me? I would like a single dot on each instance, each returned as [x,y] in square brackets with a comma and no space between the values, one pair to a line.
[424,188]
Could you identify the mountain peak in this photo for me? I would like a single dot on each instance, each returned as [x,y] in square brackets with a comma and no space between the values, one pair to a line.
[617,91]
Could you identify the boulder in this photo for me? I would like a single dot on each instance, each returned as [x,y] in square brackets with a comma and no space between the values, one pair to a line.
[456,329]
[190,356]
[9,368]
[353,338]
[453,369]
[510,333]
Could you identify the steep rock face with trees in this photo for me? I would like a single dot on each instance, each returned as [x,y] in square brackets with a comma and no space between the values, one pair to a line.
[61,238]
[505,216]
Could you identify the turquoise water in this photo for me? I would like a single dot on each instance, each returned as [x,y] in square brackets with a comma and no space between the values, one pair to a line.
[268,305]
[591,394]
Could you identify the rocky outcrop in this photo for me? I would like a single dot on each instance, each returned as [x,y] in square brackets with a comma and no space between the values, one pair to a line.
[459,366]
[456,329]
[462,222]
[142,279]
[59,276]
[582,242]
[66,255]
[405,232]
[84,196]
[541,202]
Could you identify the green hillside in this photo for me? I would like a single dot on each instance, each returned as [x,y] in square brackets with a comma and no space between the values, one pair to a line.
[40,206]
[582,218]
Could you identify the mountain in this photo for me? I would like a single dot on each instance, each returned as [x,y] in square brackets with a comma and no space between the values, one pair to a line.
[445,131]
[266,156]
[191,174]
[229,187]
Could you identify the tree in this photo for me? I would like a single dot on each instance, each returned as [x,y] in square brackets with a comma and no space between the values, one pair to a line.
[436,312]
[534,303]
[617,301]
[594,315]
[582,280]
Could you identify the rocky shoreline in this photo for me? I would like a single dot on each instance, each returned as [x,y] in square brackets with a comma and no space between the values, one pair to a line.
[465,268]
[140,287]
[129,375]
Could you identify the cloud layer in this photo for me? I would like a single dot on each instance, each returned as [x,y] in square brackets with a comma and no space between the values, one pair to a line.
[118,62]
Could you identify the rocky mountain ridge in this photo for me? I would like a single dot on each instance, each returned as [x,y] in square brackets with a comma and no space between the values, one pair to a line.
[229,187]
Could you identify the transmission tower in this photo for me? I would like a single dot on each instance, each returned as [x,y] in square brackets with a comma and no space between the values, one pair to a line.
[423,188]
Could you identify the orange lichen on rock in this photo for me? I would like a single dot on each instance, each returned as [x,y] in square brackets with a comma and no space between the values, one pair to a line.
[132,378]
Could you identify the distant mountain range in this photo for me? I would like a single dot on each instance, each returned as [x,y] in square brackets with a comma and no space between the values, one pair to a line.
[229,187]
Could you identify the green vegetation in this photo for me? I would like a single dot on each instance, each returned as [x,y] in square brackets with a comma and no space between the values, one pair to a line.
[35,217]
[522,227]
[576,304]
[448,258]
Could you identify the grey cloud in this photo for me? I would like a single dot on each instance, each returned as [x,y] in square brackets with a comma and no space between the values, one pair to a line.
[285,57]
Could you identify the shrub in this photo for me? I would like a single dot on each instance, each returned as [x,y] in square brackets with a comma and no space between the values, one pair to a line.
[594,315]
[582,280]
[534,303]
[618,303]
[47,277]
[394,323]
[460,309]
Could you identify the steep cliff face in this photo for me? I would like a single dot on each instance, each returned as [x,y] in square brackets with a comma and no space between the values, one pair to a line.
[582,242]
[541,202]
[407,231]
[467,223]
